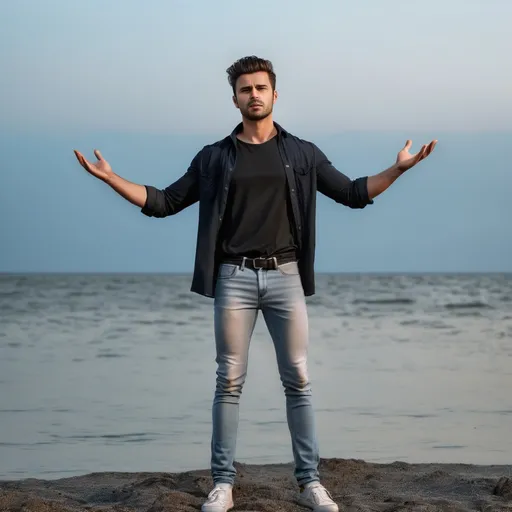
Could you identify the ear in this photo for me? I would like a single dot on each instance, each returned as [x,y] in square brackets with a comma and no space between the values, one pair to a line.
[235,102]
[275,95]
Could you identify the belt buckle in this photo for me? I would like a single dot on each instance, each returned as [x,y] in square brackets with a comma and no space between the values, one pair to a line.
[274,260]
[254,262]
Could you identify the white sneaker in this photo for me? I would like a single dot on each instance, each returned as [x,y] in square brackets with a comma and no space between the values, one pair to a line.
[220,499]
[316,497]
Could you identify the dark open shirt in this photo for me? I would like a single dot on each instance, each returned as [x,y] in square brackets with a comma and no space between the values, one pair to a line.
[208,179]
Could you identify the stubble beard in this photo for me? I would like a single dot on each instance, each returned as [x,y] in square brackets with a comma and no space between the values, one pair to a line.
[258,116]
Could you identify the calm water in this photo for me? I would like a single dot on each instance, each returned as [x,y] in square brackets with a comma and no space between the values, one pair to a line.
[102,373]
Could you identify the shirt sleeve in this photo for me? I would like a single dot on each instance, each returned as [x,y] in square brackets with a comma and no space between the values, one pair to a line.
[176,197]
[339,187]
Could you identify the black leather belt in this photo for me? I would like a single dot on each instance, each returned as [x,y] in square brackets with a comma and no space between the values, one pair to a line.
[264,263]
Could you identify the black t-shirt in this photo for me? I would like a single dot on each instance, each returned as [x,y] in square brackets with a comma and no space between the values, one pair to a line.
[258,211]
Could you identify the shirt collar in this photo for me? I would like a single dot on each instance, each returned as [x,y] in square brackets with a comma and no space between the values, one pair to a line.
[281,132]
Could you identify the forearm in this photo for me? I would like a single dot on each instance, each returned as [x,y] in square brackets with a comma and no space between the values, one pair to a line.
[378,183]
[132,192]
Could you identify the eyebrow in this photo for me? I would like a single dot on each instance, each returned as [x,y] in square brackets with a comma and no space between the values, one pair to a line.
[248,87]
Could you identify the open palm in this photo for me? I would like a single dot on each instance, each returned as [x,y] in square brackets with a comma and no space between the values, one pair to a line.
[405,160]
[101,169]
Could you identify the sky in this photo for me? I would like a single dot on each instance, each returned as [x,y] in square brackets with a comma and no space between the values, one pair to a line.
[145,82]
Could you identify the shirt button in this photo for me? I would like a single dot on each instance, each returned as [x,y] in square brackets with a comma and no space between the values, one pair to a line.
[225,188]
[293,190]
[220,218]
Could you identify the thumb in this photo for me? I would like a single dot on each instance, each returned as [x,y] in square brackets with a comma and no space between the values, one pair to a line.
[408,145]
[98,154]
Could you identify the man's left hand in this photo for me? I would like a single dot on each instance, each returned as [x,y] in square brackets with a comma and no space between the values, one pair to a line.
[405,160]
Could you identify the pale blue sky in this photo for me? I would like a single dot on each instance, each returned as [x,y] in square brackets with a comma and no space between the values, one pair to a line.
[145,82]
[159,65]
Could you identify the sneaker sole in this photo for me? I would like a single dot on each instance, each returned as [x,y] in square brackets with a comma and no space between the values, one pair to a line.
[229,507]
[308,505]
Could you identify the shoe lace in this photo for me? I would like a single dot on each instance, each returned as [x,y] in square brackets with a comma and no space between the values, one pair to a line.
[320,494]
[217,495]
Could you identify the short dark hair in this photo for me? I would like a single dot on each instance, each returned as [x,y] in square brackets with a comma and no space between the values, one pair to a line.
[250,64]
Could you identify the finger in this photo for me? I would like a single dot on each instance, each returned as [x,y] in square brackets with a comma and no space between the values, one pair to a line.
[408,145]
[83,162]
[79,157]
[420,155]
[430,147]
[98,154]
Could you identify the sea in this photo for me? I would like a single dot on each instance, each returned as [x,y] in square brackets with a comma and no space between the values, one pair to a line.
[116,372]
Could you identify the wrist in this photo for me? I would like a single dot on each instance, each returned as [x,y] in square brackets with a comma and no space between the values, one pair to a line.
[110,178]
[398,168]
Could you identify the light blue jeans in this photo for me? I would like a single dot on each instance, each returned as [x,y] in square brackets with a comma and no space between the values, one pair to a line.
[240,293]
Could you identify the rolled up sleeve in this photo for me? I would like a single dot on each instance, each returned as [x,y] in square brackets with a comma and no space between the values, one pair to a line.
[339,187]
[150,207]
[177,196]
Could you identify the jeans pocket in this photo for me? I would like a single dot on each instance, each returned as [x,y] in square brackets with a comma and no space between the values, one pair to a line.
[289,269]
[227,270]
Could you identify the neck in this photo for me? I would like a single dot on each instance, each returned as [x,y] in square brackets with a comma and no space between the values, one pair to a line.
[257,132]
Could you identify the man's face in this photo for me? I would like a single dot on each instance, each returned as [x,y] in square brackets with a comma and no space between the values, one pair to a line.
[254,95]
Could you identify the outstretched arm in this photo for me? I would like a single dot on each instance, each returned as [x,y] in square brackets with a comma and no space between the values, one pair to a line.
[337,186]
[379,182]
[152,201]
[359,192]
[132,192]
[176,197]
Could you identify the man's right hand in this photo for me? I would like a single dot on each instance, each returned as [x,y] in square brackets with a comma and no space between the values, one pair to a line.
[101,169]
[132,192]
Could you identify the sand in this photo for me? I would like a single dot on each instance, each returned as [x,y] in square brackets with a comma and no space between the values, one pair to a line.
[355,485]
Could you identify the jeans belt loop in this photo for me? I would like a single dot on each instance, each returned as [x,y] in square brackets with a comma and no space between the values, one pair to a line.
[275,262]
[242,266]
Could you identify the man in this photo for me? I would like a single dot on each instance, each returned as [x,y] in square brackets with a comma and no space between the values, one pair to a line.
[255,251]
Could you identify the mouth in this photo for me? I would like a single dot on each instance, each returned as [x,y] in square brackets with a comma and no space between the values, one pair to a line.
[255,105]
